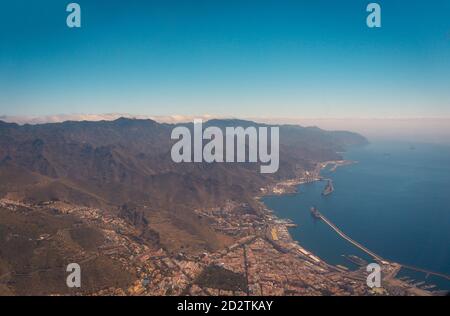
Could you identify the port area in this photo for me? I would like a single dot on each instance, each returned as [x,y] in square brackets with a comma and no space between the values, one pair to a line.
[329,188]
[315,212]
[391,269]
[260,255]
[278,237]
[336,164]
[302,177]
[277,234]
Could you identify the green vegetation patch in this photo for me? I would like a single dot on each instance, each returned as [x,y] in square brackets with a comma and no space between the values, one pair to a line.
[217,277]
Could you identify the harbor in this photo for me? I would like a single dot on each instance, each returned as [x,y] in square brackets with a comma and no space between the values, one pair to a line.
[370,205]
[316,214]
[329,188]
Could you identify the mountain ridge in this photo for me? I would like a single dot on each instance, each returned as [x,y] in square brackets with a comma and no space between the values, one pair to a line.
[110,163]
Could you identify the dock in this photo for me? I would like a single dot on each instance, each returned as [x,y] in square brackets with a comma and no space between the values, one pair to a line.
[319,215]
[329,188]
[427,272]
[343,235]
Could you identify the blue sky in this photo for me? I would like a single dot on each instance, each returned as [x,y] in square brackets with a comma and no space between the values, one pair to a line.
[236,58]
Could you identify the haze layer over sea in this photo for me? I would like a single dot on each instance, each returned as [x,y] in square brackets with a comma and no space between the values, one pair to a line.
[395,201]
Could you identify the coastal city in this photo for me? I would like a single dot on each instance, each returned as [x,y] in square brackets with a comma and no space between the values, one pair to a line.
[263,260]
[212,156]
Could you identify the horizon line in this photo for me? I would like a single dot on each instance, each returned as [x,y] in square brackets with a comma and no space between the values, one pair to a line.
[182,118]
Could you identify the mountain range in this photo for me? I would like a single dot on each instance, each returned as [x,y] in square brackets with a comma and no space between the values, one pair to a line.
[109,163]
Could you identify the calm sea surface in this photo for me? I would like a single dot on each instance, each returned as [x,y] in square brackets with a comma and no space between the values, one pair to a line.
[395,201]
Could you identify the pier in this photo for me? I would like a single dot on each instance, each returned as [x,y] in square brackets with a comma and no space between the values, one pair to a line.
[343,235]
[427,272]
[319,215]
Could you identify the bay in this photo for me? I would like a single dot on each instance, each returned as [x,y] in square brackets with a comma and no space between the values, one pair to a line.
[395,201]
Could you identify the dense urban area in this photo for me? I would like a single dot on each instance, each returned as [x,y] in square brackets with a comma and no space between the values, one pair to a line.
[263,260]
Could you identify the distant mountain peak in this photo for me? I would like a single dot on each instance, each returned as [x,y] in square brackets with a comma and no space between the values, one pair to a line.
[6,124]
[130,120]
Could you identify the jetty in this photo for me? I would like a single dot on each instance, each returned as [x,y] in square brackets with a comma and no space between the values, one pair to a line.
[315,212]
[427,272]
[319,215]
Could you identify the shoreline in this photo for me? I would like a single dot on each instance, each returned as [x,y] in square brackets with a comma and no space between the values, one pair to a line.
[264,252]
[390,268]
[290,186]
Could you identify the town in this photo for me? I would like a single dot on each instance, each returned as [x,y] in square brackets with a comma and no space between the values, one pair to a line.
[263,260]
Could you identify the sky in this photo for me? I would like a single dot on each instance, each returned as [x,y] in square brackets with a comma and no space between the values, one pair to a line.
[287,59]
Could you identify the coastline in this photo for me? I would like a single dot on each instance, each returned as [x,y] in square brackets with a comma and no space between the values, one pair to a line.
[390,269]
[280,226]
[290,186]
[264,254]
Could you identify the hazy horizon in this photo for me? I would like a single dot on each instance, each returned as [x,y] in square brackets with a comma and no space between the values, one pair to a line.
[428,130]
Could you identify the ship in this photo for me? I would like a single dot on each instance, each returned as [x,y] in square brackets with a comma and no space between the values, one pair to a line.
[328,188]
[356,260]
[315,213]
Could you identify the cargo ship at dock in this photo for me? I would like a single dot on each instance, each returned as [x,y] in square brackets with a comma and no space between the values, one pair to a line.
[329,188]
[315,213]
[356,260]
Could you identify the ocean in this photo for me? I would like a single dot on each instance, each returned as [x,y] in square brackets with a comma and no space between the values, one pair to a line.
[395,201]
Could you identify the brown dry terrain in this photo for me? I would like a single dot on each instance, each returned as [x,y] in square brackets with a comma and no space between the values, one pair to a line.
[37,245]
[124,168]
[106,164]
